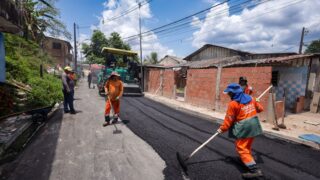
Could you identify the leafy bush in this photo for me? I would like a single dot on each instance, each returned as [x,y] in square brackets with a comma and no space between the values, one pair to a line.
[23,59]
[45,90]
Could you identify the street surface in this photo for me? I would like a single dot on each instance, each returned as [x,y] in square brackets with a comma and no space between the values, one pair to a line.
[168,131]
[77,147]
[73,147]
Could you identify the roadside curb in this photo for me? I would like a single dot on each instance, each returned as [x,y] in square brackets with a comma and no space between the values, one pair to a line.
[23,136]
[267,133]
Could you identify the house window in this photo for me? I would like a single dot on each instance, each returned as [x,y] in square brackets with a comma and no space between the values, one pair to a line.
[56,45]
[275,78]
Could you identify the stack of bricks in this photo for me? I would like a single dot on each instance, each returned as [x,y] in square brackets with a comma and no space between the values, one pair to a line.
[201,87]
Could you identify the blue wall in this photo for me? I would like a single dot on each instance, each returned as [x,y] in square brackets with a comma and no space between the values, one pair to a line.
[294,80]
[2,60]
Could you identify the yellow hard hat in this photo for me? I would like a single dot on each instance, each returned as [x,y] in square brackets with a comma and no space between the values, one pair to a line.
[68,68]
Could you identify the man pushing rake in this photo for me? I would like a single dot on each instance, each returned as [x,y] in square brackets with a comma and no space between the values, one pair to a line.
[113,90]
[242,122]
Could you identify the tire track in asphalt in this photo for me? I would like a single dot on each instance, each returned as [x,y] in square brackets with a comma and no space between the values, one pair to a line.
[146,110]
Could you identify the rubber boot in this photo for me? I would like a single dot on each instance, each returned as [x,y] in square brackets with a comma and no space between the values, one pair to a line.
[107,121]
[254,172]
[115,119]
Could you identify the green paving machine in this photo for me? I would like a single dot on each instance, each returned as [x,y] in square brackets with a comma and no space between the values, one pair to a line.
[124,63]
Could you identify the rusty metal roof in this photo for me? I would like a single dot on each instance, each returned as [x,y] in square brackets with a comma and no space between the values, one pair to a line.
[238,61]
[277,60]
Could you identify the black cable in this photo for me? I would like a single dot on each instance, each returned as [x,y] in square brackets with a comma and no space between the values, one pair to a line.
[287,4]
[174,22]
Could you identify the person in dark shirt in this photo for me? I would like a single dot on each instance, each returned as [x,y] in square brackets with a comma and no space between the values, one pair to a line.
[89,79]
[68,91]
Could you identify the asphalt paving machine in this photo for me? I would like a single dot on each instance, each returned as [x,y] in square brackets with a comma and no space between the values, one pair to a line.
[125,63]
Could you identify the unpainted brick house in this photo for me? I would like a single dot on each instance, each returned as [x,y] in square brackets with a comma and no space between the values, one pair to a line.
[60,50]
[206,78]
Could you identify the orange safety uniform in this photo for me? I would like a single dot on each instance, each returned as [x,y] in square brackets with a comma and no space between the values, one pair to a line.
[248,90]
[114,90]
[241,114]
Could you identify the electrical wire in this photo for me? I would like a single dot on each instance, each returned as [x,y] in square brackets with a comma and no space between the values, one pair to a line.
[124,13]
[249,19]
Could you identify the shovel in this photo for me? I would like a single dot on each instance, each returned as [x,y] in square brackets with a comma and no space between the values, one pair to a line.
[116,131]
[182,161]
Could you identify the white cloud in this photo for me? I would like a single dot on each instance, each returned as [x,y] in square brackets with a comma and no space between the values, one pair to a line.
[210,1]
[265,28]
[128,25]
[110,4]
[84,38]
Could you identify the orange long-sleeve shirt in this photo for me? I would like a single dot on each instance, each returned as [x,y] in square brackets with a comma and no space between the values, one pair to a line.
[114,89]
[248,90]
[237,112]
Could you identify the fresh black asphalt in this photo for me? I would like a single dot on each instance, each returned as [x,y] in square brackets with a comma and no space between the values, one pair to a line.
[169,131]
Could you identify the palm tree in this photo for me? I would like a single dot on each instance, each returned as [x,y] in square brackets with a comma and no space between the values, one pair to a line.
[152,59]
[39,17]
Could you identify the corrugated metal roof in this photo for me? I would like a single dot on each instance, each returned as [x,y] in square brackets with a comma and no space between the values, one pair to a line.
[171,61]
[283,59]
[237,61]
[213,62]
[212,45]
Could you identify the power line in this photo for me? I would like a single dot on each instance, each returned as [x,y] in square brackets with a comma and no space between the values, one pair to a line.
[128,11]
[248,19]
[238,6]
[177,21]
[124,13]
[180,26]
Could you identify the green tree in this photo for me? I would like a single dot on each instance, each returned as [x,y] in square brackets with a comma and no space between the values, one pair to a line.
[93,52]
[314,47]
[115,41]
[152,59]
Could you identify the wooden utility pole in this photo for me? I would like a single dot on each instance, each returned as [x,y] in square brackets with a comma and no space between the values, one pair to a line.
[75,47]
[301,40]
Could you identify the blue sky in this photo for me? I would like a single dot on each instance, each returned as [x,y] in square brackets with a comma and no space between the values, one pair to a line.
[257,26]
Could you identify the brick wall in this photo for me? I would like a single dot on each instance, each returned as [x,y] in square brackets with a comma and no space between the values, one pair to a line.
[258,77]
[168,83]
[201,86]
[154,80]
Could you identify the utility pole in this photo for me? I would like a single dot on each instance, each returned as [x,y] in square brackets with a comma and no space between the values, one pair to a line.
[142,75]
[301,40]
[75,47]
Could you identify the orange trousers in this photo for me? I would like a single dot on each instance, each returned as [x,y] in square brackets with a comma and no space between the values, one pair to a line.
[243,147]
[115,105]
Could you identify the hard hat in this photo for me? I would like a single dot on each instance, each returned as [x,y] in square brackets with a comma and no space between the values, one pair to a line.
[68,68]
[114,73]
[233,88]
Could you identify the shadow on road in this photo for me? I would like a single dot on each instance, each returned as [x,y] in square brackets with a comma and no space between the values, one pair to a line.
[36,160]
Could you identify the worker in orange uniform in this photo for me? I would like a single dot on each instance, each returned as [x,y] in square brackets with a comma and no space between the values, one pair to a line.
[243,124]
[113,89]
[244,84]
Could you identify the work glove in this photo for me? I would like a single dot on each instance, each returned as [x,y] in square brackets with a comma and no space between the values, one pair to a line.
[257,100]
[219,131]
